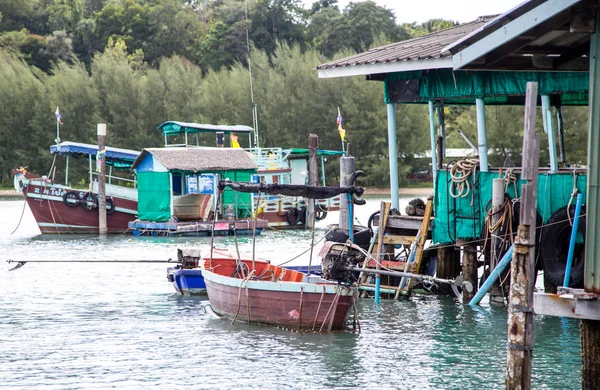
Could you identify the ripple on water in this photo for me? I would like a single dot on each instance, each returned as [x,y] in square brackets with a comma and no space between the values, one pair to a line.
[71,326]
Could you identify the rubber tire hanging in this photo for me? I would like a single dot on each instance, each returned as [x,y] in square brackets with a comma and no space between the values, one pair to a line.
[71,199]
[555,247]
[110,206]
[320,212]
[292,216]
[89,201]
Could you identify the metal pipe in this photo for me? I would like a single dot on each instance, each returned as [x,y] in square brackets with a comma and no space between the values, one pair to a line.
[489,282]
[462,134]
[350,217]
[434,165]
[393,154]
[560,126]
[439,109]
[549,128]
[573,239]
[67,172]
[481,135]
[323,170]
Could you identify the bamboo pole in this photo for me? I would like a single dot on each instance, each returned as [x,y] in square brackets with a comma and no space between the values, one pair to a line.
[520,313]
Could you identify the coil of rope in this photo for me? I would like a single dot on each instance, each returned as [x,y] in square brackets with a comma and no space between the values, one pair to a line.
[460,173]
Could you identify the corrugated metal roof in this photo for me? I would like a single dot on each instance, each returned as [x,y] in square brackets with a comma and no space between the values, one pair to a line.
[426,47]
[200,159]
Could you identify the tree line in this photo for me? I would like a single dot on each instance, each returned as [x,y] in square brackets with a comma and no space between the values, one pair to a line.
[135,64]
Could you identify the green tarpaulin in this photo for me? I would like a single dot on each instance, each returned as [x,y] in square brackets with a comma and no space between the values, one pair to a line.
[154,196]
[462,87]
[463,217]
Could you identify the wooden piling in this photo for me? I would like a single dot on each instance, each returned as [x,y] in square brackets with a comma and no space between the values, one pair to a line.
[520,309]
[590,353]
[448,266]
[313,175]
[469,270]
[102,180]
[496,293]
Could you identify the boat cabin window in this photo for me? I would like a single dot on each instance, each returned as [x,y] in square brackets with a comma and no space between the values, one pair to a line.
[177,183]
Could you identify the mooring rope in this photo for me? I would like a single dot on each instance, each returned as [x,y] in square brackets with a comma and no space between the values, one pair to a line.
[460,173]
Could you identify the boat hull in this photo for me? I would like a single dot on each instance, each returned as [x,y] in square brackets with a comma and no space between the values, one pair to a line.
[187,281]
[54,216]
[293,305]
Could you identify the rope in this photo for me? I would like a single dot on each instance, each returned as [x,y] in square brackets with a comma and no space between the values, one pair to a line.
[246,279]
[573,194]
[333,302]
[22,213]
[318,308]
[460,173]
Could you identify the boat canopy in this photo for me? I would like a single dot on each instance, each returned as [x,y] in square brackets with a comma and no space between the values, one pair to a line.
[119,158]
[175,128]
[294,152]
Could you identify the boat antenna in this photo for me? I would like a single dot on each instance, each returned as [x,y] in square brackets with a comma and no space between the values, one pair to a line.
[254,109]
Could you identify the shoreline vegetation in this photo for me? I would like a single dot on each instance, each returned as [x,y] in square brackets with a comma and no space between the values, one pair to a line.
[369,191]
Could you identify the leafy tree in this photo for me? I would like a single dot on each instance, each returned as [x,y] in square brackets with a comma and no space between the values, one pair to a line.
[277,20]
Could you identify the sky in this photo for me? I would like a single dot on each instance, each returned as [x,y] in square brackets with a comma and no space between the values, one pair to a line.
[419,11]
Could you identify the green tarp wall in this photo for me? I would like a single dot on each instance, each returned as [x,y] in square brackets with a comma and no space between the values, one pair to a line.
[241,201]
[154,196]
[463,218]
[461,87]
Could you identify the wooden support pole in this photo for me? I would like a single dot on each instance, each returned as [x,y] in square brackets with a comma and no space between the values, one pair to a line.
[520,313]
[448,266]
[496,294]
[469,270]
[313,175]
[102,180]
[590,353]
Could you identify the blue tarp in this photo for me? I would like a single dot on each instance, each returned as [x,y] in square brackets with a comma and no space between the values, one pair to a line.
[77,149]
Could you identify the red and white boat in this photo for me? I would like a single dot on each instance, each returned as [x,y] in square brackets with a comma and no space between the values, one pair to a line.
[256,291]
[259,292]
[59,208]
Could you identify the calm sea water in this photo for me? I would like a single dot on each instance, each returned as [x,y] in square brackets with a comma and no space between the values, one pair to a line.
[72,326]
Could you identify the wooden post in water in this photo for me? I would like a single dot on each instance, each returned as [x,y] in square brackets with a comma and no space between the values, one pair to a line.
[102,180]
[313,175]
[496,294]
[347,168]
[520,308]
[448,266]
[469,270]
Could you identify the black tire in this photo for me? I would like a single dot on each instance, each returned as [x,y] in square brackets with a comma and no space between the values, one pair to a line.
[555,248]
[89,200]
[71,199]
[302,215]
[371,218]
[292,216]
[110,206]
[320,212]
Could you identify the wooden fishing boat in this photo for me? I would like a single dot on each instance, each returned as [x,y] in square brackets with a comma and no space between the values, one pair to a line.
[59,208]
[259,292]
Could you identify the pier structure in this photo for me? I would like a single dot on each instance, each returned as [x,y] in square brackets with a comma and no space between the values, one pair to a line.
[489,61]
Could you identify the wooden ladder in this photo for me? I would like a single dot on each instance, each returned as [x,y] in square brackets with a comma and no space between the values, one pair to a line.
[377,252]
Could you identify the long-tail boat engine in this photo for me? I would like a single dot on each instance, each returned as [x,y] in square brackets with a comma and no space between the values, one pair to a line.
[337,260]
